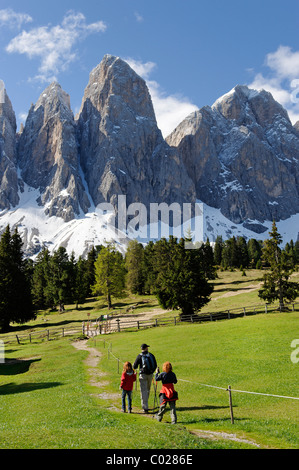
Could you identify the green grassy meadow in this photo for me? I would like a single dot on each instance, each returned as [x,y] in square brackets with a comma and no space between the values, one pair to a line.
[46,400]
[251,354]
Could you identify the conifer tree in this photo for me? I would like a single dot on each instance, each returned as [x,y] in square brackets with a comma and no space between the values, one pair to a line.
[58,286]
[254,249]
[242,253]
[41,294]
[80,281]
[181,282]
[90,267]
[208,260]
[134,262]
[148,263]
[109,274]
[218,250]
[276,285]
[230,253]
[15,296]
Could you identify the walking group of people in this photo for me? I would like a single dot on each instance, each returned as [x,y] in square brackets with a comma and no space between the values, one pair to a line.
[147,364]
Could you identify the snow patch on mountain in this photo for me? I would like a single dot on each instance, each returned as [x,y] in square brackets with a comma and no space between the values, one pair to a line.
[97,227]
[38,230]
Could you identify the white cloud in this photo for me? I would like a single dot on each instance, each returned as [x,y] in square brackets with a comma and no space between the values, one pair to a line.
[53,45]
[282,79]
[144,69]
[139,18]
[10,18]
[170,110]
[22,117]
[284,62]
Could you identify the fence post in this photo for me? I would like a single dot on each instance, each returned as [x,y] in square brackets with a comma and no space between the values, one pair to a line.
[118,324]
[175,320]
[83,328]
[18,339]
[63,332]
[48,335]
[266,310]
[293,307]
[228,313]
[156,322]
[230,404]
[211,317]
[244,310]
[138,325]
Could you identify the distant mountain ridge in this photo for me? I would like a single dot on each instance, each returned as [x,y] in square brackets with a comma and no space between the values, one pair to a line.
[243,156]
[240,156]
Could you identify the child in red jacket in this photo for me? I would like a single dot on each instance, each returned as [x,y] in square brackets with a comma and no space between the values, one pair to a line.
[127,379]
[167,393]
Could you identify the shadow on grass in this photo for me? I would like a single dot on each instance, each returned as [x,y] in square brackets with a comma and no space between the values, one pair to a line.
[240,281]
[16,366]
[13,388]
[44,326]
[237,289]
[208,420]
[205,407]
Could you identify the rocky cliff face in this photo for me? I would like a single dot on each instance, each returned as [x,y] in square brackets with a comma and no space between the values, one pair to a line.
[240,155]
[122,150]
[48,155]
[8,158]
[243,157]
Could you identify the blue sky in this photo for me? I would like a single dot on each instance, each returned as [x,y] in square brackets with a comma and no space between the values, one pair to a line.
[189,51]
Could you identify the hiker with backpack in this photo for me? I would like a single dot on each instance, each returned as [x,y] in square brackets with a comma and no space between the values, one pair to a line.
[147,364]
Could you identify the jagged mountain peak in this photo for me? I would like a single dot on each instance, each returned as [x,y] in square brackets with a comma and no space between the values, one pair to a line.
[114,67]
[6,109]
[48,155]
[243,102]
[239,156]
[239,91]
[53,100]
[122,148]
[242,154]
[8,161]
[114,84]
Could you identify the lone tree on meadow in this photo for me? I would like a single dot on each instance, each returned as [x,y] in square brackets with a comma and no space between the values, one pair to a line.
[109,274]
[277,285]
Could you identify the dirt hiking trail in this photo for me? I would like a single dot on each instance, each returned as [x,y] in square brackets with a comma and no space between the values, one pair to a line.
[97,379]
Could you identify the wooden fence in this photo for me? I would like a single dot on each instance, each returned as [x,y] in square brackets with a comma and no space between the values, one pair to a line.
[115,323]
[120,324]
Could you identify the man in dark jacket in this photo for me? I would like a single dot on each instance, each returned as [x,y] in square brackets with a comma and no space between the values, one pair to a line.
[147,364]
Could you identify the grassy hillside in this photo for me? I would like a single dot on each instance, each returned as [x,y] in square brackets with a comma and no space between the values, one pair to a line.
[250,354]
[232,290]
[46,400]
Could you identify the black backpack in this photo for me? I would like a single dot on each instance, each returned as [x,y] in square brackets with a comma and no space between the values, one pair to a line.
[148,364]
